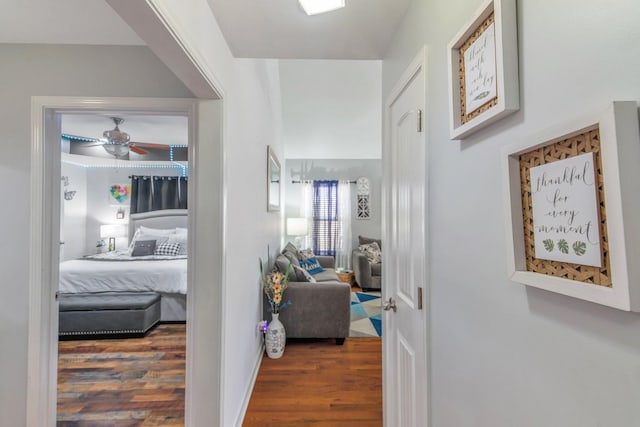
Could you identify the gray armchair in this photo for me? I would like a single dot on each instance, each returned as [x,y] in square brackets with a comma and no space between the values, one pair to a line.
[367,275]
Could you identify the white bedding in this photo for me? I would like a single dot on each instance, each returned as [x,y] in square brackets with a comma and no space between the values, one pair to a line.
[160,274]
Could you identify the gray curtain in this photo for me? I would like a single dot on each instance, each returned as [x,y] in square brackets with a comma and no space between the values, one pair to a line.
[152,193]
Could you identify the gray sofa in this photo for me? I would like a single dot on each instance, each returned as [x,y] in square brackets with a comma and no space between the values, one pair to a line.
[367,275]
[317,310]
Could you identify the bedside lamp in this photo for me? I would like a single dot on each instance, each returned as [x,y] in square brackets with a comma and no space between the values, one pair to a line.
[111,232]
[297,227]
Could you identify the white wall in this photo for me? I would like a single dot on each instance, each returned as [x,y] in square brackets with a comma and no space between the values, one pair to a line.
[74,219]
[252,120]
[350,169]
[100,210]
[331,109]
[29,70]
[255,114]
[503,354]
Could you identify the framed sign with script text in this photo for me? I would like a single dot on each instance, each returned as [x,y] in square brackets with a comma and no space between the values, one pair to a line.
[564,205]
[572,195]
[483,69]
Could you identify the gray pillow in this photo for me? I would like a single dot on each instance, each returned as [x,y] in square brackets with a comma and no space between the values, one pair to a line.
[281,264]
[291,252]
[303,275]
[143,248]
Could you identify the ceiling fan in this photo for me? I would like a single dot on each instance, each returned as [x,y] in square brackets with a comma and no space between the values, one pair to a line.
[118,143]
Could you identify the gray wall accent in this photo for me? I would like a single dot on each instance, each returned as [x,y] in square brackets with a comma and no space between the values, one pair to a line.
[504,354]
[344,169]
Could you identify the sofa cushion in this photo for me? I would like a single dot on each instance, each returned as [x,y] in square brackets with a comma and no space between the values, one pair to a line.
[366,240]
[311,265]
[303,275]
[282,263]
[291,252]
[376,269]
[328,275]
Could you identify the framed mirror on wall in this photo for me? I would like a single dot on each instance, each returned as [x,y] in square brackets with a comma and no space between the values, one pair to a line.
[273,181]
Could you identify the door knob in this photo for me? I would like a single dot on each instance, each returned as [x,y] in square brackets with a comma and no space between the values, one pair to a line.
[390,305]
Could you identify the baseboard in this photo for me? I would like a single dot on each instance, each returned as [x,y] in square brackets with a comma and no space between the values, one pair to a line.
[247,397]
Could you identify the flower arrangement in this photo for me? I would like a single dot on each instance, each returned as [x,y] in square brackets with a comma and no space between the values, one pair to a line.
[274,284]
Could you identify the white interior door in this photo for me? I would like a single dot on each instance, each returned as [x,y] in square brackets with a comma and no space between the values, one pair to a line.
[405,279]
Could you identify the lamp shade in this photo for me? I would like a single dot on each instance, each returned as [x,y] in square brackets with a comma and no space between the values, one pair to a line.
[112,230]
[297,227]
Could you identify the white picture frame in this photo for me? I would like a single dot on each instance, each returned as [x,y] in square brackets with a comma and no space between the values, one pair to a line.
[273,181]
[620,156]
[505,85]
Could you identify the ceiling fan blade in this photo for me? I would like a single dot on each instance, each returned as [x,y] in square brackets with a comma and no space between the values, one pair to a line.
[138,150]
[90,144]
[152,145]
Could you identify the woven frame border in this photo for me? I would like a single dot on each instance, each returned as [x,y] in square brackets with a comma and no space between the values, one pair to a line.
[464,118]
[588,141]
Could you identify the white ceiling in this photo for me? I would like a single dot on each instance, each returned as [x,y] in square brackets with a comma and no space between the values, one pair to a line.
[141,128]
[64,22]
[280,29]
[252,28]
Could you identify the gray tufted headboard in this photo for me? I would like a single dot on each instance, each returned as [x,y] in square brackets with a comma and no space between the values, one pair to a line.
[169,218]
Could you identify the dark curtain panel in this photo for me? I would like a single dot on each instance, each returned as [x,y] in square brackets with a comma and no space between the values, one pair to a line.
[326,227]
[152,193]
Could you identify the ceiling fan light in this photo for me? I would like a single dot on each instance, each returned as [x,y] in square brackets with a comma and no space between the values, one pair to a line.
[116,150]
[314,7]
[116,136]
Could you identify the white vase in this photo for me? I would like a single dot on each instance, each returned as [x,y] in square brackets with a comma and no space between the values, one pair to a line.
[275,338]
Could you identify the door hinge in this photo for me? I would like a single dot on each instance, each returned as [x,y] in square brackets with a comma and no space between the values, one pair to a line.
[57,295]
[419,120]
[419,298]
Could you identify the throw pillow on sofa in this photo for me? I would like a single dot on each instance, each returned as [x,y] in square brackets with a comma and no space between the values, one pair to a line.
[303,275]
[291,252]
[362,240]
[306,254]
[372,252]
[312,265]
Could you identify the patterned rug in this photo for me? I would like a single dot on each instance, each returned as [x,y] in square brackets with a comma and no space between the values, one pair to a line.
[366,314]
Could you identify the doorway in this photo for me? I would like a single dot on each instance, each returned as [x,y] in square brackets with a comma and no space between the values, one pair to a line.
[112,359]
[205,266]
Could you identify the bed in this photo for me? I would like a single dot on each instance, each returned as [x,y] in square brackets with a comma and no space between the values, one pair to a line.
[163,271]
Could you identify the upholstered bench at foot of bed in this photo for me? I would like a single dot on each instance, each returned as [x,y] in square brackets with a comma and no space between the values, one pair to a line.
[108,313]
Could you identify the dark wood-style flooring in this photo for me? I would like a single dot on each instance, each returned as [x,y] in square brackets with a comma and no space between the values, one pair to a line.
[139,382]
[319,383]
[134,382]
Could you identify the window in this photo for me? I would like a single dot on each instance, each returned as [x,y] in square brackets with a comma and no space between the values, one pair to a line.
[327,227]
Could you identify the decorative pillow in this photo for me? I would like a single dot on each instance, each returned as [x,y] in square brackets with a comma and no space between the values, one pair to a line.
[311,265]
[372,252]
[362,240]
[306,254]
[282,263]
[168,249]
[303,275]
[139,236]
[180,239]
[143,248]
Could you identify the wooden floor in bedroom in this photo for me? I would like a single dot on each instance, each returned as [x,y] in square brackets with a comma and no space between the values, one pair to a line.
[123,382]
